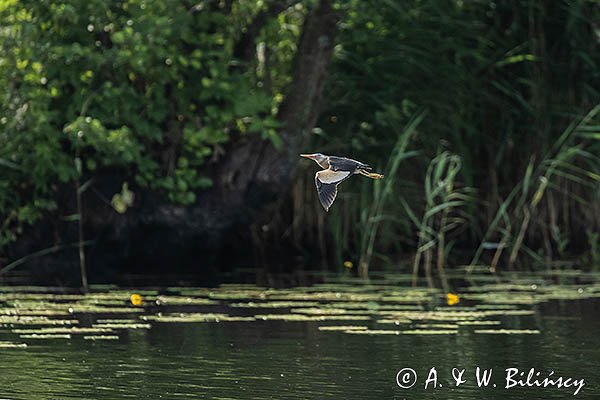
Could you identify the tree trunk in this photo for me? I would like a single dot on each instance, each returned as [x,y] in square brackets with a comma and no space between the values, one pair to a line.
[253,171]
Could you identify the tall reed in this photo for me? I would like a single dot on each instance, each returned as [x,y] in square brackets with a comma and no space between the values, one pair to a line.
[442,199]
[572,158]
[372,216]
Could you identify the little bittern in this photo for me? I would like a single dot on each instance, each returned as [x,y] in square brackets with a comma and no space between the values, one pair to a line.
[335,171]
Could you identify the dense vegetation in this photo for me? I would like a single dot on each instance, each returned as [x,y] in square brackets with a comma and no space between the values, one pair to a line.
[153,87]
[501,83]
[487,112]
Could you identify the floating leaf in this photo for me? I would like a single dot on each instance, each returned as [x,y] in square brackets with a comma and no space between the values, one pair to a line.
[46,336]
[12,345]
[509,331]
[342,328]
[101,337]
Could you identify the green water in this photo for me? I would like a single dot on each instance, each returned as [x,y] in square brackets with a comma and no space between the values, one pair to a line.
[265,358]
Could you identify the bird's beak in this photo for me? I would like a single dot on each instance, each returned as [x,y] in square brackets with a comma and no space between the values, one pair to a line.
[309,156]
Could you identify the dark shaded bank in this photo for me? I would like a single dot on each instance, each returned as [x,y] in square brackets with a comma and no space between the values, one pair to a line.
[155,235]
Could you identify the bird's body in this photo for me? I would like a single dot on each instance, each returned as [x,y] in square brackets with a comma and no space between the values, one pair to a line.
[335,171]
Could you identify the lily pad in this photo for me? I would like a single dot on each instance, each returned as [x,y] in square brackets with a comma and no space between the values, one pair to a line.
[509,331]
[46,336]
[343,328]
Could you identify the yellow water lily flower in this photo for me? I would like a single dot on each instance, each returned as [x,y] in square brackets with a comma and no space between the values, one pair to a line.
[136,299]
[452,299]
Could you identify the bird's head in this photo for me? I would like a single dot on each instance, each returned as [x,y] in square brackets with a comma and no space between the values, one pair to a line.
[319,158]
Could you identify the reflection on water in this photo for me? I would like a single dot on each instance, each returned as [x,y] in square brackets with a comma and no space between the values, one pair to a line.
[342,339]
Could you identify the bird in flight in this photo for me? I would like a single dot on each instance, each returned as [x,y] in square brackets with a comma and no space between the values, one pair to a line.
[335,171]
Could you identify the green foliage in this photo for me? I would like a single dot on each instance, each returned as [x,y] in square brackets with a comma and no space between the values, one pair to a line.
[477,67]
[371,217]
[440,213]
[155,90]
[123,200]
[501,82]
[152,88]
[571,159]
[111,146]
[593,239]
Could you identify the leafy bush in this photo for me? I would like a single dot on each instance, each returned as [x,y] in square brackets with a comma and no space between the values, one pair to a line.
[151,87]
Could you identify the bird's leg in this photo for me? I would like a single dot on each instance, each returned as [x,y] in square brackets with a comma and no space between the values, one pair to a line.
[372,175]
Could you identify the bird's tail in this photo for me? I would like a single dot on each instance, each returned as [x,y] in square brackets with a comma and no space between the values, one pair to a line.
[372,175]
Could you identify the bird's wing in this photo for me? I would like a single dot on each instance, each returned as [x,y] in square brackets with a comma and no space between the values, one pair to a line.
[327,181]
[346,164]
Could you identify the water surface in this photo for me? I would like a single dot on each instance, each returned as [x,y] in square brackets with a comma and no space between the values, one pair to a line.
[247,342]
